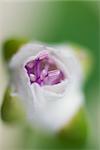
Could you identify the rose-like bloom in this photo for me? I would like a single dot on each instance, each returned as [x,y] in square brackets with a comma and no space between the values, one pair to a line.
[48,81]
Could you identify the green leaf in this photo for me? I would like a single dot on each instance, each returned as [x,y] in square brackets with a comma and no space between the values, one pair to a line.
[12,110]
[85,58]
[11,46]
[76,132]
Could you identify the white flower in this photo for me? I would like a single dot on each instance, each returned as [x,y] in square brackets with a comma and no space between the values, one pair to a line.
[48,81]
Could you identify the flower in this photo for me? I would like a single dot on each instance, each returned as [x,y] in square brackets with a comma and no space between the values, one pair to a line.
[48,80]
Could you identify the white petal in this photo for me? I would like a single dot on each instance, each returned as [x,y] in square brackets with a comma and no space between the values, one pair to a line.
[68,57]
[24,53]
[54,114]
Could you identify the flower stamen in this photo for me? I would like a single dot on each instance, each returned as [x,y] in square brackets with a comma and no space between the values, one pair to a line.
[42,71]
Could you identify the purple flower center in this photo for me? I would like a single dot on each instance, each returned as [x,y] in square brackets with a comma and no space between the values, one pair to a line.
[43,70]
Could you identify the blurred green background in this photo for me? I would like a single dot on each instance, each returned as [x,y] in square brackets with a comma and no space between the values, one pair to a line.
[57,22]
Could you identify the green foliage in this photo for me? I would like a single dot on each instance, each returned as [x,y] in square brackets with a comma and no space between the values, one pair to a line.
[11,46]
[77,130]
[86,59]
[12,110]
